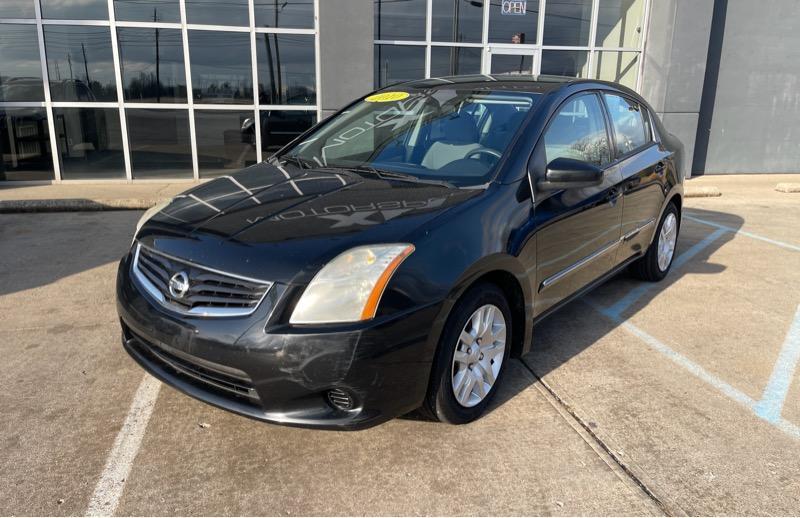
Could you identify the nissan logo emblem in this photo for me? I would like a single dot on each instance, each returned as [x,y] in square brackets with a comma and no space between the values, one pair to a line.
[179,285]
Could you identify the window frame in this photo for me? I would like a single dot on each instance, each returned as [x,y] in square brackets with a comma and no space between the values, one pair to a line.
[648,123]
[539,146]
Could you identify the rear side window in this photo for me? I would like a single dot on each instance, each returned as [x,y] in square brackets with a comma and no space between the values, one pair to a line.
[578,131]
[631,130]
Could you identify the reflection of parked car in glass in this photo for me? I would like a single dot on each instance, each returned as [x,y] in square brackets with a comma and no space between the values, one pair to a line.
[278,128]
[396,255]
[72,89]
[20,89]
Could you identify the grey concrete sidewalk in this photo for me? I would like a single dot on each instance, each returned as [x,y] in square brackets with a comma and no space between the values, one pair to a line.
[138,195]
[86,196]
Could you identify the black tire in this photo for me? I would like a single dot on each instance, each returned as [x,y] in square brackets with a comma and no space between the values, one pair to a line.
[441,401]
[647,268]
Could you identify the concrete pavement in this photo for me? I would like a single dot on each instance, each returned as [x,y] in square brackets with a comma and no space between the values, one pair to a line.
[638,399]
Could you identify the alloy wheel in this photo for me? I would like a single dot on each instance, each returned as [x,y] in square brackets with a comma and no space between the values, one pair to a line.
[479,355]
[666,241]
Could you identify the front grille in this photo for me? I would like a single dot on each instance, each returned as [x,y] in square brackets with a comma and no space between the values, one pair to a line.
[199,372]
[206,292]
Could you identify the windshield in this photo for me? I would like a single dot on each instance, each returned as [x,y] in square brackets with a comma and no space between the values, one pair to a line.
[457,136]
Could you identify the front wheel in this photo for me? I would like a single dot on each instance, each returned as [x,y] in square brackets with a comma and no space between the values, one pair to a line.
[472,354]
[656,263]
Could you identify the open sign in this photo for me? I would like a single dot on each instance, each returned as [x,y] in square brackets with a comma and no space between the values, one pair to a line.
[514,7]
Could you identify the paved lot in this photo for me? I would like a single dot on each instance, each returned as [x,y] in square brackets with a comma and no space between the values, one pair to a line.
[676,398]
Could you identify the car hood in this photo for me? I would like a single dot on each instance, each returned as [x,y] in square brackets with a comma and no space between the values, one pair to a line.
[282,223]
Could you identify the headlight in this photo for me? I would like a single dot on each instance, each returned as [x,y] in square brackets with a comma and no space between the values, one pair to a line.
[349,288]
[149,213]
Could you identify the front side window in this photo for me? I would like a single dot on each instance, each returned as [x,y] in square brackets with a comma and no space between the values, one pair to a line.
[578,131]
[631,131]
[445,134]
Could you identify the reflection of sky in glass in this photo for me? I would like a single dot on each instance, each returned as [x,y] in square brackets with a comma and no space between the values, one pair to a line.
[20,68]
[457,20]
[147,10]
[218,12]
[80,63]
[295,14]
[75,9]
[146,78]
[16,9]
[221,69]
[400,20]
[286,71]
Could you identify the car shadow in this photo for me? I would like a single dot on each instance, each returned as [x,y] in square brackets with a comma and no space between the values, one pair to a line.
[581,323]
[42,248]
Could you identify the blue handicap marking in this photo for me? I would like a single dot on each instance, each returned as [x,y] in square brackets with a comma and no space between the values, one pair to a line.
[771,404]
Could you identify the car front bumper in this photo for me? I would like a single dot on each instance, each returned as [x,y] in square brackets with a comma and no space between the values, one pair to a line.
[283,375]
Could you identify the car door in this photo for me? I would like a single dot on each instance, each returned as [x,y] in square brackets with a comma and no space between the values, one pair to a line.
[642,164]
[578,228]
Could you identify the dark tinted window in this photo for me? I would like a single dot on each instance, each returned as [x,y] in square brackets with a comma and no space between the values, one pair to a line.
[279,127]
[578,131]
[510,64]
[25,145]
[394,63]
[152,65]
[147,10]
[572,63]
[286,69]
[457,20]
[400,20]
[451,61]
[631,130]
[159,143]
[75,9]
[17,9]
[214,12]
[513,28]
[221,69]
[89,143]
[293,14]
[80,63]
[20,65]
[225,141]
[567,22]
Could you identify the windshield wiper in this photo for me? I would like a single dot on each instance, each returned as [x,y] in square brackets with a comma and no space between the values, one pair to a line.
[394,175]
[299,162]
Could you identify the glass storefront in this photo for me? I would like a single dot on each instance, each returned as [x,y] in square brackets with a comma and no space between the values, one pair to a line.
[152,89]
[169,89]
[599,39]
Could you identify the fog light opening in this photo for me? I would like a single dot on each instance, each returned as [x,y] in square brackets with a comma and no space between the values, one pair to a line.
[340,399]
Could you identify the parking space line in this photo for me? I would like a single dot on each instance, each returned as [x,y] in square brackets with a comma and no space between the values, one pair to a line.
[743,232]
[771,405]
[726,389]
[109,488]
[634,294]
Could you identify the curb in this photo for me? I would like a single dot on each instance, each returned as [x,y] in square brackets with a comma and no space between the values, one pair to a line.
[702,192]
[788,187]
[77,205]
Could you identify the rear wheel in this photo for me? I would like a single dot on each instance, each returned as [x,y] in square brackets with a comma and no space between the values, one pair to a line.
[656,263]
[472,355]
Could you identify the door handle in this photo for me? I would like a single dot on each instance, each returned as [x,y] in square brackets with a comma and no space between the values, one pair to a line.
[660,168]
[613,195]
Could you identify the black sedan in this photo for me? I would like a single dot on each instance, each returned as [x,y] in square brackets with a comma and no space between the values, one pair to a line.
[398,253]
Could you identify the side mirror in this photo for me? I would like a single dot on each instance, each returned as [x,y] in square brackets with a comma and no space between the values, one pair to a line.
[568,173]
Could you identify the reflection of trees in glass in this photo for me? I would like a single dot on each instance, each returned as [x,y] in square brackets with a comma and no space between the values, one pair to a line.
[152,64]
[148,86]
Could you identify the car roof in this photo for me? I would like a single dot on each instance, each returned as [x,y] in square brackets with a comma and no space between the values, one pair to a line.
[519,83]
